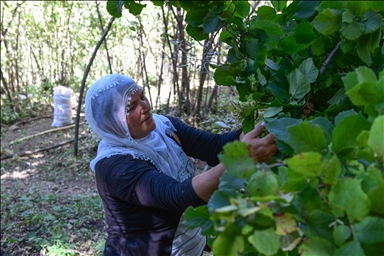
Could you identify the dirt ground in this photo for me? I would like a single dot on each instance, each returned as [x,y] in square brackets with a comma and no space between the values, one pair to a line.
[23,172]
[43,171]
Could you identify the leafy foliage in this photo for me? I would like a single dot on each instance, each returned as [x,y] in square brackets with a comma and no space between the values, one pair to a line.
[324,196]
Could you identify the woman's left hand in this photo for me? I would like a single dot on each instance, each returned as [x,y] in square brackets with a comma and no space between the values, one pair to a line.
[260,149]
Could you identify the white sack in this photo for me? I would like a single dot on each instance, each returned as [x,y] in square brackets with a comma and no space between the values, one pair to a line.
[62,106]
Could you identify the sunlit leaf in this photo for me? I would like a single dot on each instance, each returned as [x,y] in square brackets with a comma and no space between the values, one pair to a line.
[263,183]
[376,136]
[348,195]
[308,164]
[237,160]
[228,244]
[265,241]
[285,224]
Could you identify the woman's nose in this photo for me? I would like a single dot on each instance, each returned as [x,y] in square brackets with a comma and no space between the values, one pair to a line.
[145,106]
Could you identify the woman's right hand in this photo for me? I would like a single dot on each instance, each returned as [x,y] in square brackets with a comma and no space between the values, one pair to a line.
[260,149]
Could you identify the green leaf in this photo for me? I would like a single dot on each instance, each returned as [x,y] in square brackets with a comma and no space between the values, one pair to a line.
[114,7]
[225,74]
[271,64]
[308,68]
[278,90]
[317,225]
[242,9]
[376,136]
[309,164]
[332,170]
[363,94]
[265,241]
[351,248]
[237,160]
[248,123]
[254,49]
[263,183]
[212,23]
[341,234]
[196,33]
[198,217]
[347,16]
[376,197]
[279,4]
[266,13]
[319,45]
[158,3]
[364,51]
[339,95]
[353,30]
[298,84]
[230,184]
[310,198]
[323,123]
[370,230]
[228,244]
[272,29]
[272,111]
[307,138]
[285,224]
[195,16]
[304,33]
[374,22]
[306,9]
[346,132]
[328,22]
[279,127]
[290,46]
[317,246]
[134,8]
[218,199]
[348,195]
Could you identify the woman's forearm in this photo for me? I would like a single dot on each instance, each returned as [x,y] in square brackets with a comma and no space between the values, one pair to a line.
[207,182]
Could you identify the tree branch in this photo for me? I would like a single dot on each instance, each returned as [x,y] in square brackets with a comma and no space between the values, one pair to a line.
[329,58]
[85,79]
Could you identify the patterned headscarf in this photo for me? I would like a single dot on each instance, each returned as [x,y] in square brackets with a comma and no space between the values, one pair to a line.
[105,112]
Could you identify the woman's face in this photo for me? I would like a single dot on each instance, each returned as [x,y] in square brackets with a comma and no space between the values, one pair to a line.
[139,116]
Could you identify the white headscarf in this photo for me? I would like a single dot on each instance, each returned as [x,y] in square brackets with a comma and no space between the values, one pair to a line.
[105,112]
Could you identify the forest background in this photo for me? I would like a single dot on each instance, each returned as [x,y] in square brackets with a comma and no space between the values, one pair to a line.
[322,194]
[49,204]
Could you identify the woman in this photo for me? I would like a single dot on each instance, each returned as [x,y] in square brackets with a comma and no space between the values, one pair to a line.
[144,175]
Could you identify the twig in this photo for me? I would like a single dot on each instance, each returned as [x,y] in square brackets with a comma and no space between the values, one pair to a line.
[330,56]
[105,40]
[30,152]
[44,132]
[105,33]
